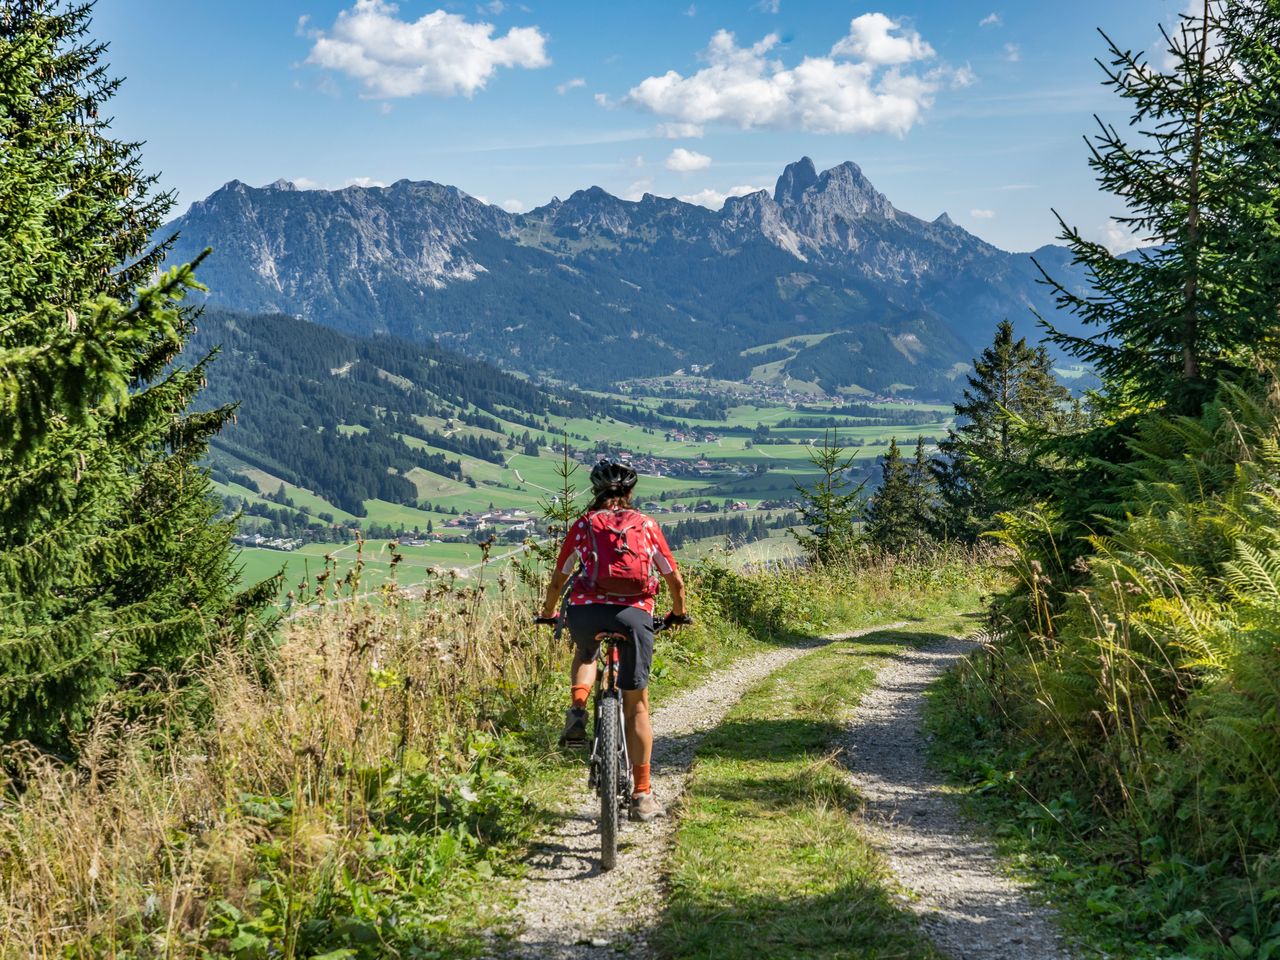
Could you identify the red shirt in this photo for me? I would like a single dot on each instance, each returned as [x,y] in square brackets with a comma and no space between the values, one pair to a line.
[575,547]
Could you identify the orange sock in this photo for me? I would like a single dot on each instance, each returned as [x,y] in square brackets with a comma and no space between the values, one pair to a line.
[640,773]
[580,692]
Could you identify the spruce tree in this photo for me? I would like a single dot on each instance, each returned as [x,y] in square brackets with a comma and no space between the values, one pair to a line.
[1011,399]
[1200,180]
[111,561]
[830,507]
[890,515]
[924,493]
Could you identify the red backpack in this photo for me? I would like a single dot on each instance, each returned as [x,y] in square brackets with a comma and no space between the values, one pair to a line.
[618,561]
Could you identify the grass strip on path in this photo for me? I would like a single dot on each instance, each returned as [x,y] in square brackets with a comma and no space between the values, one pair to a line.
[770,859]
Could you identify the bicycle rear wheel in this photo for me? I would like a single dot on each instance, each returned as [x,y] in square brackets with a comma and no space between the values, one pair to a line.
[610,735]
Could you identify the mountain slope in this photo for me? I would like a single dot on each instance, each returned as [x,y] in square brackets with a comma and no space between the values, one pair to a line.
[343,415]
[594,288]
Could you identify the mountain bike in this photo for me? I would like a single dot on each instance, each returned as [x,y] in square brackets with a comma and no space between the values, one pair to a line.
[609,769]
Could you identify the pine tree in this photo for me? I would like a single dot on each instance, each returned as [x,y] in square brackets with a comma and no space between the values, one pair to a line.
[1200,183]
[830,507]
[111,561]
[1011,399]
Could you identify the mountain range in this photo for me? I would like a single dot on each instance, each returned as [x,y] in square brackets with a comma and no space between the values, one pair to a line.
[823,281]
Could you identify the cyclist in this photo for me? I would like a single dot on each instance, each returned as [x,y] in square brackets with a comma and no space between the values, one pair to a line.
[590,611]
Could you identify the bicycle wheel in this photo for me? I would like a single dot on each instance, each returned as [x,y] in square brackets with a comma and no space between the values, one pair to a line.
[610,738]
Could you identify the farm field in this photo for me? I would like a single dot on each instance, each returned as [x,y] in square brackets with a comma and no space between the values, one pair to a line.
[258,563]
[722,470]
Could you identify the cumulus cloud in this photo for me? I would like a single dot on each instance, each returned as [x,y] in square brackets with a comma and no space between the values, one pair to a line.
[860,87]
[563,88]
[990,20]
[1012,52]
[684,161]
[678,131]
[982,214]
[871,39]
[769,6]
[513,206]
[439,53]
[714,199]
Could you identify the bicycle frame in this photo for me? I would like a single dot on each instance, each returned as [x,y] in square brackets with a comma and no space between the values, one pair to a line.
[608,696]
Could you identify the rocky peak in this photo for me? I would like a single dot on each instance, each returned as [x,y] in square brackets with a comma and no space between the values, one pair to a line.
[760,212]
[795,180]
[844,189]
[944,220]
[281,184]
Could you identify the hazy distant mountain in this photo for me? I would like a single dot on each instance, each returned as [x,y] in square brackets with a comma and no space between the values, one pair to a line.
[595,288]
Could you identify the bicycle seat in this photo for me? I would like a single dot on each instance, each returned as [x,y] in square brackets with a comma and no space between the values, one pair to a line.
[604,635]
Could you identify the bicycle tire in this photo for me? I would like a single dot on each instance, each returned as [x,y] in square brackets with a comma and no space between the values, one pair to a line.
[610,734]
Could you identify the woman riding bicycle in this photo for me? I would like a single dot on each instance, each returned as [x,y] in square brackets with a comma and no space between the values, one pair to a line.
[592,611]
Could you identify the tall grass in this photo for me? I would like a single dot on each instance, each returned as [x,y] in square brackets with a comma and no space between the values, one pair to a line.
[335,782]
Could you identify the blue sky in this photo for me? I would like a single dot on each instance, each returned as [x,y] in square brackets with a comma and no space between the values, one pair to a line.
[976,109]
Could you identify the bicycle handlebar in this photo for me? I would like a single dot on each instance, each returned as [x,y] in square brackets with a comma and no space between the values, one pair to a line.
[659,624]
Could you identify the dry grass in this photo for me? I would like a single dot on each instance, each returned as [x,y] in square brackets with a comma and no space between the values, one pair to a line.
[161,824]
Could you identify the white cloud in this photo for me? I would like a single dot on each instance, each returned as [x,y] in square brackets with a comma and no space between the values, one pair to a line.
[990,20]
[439,53]
[568,85]
[743,86]
[714,199]
[637,161]
[963,77]
[684,161]
[307,183]
[769,6]
[692,11]
[1116,237]
[513,206]
[1012,52]
[637,190]
[678,131]
[493,7]
[871,40]
[602,99]
[982,214]
[300,29]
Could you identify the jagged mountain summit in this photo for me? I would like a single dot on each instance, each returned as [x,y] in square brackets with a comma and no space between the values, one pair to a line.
[824,281]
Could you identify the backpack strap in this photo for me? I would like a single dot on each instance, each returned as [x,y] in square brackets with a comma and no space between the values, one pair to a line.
[594,547]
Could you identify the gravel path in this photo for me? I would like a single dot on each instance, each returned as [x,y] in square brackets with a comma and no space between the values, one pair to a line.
[568,908]
[967,906]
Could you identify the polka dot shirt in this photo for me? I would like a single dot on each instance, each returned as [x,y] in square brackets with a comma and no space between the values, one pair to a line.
[577,545]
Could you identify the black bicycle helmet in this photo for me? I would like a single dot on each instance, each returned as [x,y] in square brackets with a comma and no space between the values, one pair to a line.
[610,477]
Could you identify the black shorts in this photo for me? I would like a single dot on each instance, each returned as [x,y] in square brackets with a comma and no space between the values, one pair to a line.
[635,658]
